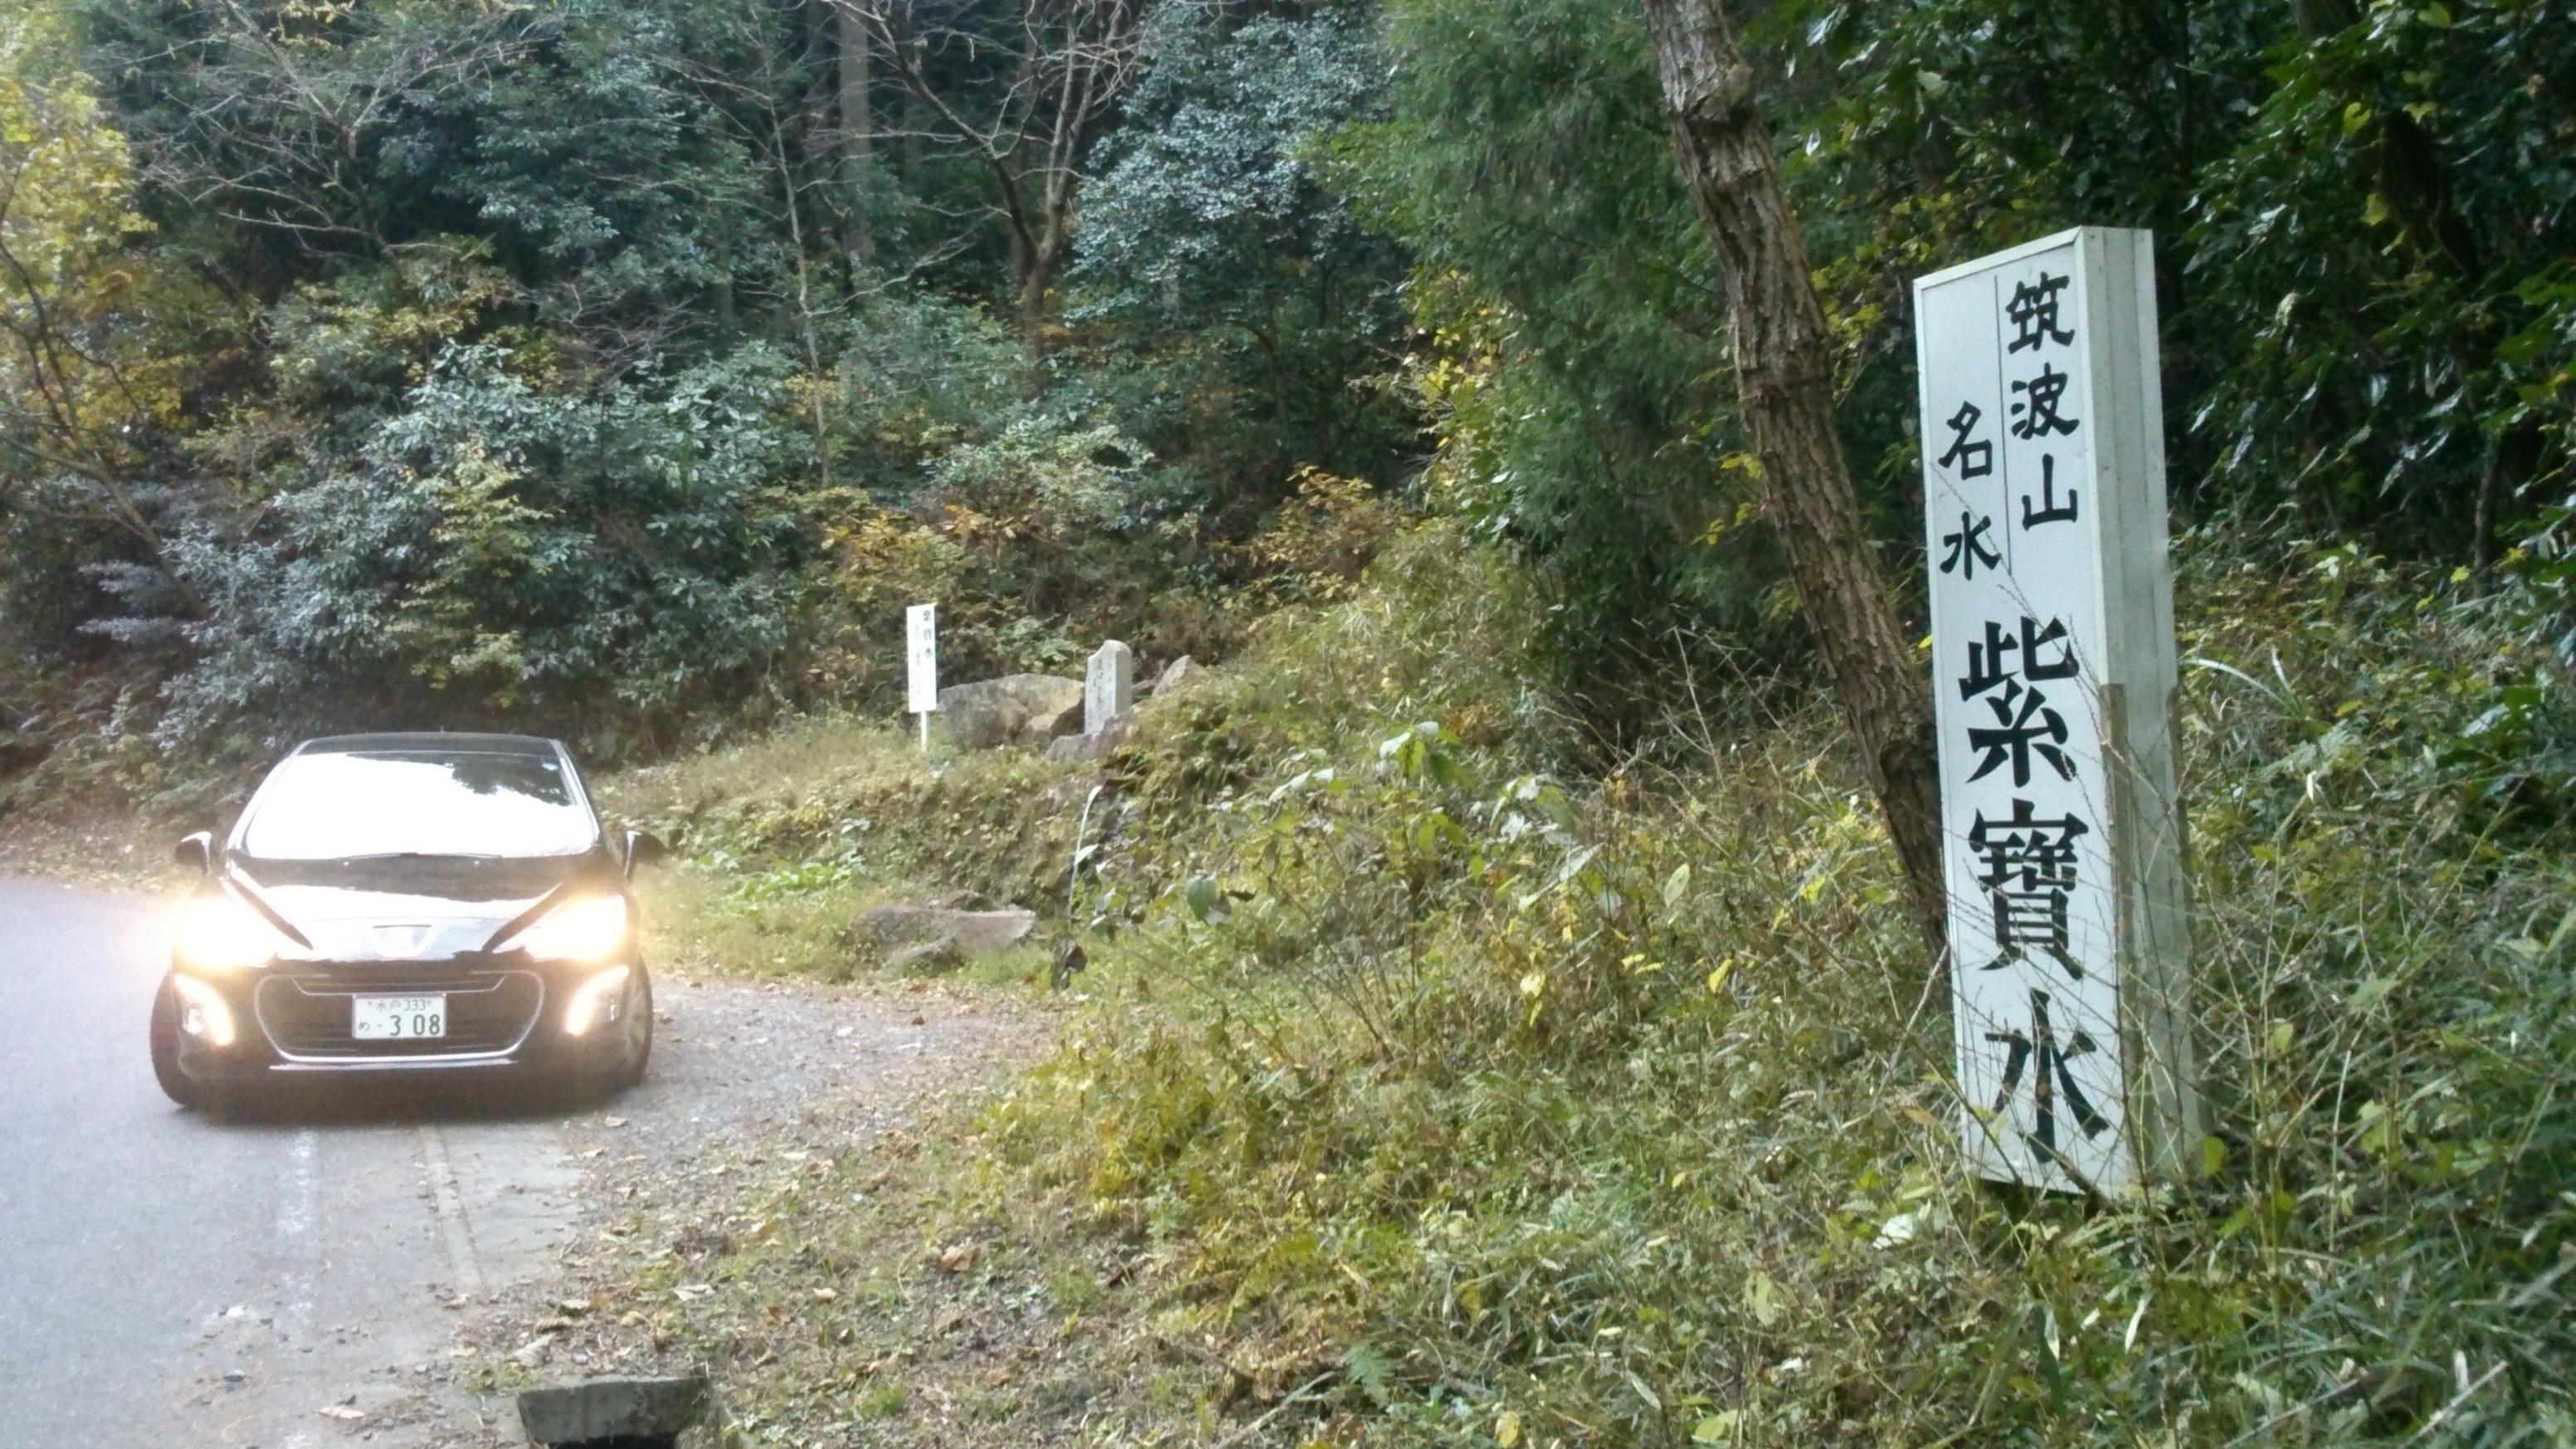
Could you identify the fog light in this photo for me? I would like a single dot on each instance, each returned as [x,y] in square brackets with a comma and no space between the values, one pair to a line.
[593,995]
[206,1017]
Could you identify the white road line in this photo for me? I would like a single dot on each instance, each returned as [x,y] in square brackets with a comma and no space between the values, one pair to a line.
[299,1214]
[299,1199]
[450,1205]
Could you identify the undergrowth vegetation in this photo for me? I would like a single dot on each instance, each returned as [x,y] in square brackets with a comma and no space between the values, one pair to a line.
[1619,1112]
[785,841]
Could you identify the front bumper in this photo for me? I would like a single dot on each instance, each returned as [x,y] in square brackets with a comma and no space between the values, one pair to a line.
[505,1016]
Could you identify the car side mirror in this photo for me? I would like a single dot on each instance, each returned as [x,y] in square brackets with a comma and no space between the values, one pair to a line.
[195,851]
[643,848]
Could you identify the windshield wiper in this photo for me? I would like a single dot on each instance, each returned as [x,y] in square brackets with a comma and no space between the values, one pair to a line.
[419,855]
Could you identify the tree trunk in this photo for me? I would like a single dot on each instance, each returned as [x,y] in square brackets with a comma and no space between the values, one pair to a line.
[1044,255]
[858,128]
[1784,378]
[1039,261]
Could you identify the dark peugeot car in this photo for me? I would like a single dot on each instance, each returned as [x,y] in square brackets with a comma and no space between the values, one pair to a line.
[403,903]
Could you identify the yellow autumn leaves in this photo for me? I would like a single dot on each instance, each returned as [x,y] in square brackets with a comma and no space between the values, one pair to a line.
[75,390]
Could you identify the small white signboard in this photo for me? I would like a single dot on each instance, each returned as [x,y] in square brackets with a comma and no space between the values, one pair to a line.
[921,657]
[2053,674]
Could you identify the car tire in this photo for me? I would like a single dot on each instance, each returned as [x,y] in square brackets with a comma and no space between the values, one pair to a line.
[228,1101]
[638,1026]
[175,1083]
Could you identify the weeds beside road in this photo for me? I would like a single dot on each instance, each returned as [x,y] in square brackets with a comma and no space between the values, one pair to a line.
[1451,1099]
[780,1210]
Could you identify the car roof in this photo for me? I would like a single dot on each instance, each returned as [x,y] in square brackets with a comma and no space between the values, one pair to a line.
[441,741]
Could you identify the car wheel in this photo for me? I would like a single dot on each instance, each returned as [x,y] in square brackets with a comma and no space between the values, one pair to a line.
[165,1048]
[638,1027]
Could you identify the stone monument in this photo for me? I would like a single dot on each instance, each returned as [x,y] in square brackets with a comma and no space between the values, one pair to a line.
[1109,690]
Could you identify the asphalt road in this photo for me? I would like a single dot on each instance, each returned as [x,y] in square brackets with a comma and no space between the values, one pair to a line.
[167,1281]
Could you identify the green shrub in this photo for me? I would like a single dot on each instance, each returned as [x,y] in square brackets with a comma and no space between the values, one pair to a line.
[1618,1112]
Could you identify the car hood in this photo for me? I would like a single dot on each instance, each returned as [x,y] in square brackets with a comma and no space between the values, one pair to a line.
[411,908]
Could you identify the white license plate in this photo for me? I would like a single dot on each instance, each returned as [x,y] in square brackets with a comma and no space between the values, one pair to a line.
[397,1018]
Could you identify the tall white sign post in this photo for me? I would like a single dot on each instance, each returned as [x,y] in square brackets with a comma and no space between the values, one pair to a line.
[2053,671]
[921,658]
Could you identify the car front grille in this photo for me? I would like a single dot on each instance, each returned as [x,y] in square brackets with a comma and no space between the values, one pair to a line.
[310,1016]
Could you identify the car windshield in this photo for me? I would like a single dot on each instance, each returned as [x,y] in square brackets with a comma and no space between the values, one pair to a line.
[348,805]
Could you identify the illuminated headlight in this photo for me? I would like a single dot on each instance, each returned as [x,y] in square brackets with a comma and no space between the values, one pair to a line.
[585,930]
[593,995]
[203,1014]
[219,933]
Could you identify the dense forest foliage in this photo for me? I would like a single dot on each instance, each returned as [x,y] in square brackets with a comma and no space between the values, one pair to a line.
[620,367]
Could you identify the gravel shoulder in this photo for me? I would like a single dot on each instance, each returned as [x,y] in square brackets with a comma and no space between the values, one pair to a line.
[830,1243]
[95,847]
[752,1084]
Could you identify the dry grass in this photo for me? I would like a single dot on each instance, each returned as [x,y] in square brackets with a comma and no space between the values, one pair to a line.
[862,1276]
[784,842]
[799,758]
[1611,1117]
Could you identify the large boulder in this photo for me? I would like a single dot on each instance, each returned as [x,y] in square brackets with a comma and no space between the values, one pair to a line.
[926,958]
[1016,709]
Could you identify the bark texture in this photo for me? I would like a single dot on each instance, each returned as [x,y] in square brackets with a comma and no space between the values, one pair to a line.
[1784,377]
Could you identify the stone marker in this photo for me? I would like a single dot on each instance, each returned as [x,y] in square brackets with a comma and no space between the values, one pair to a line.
[1016,709]
[973,932]
[2053,672]
[1097,745]
[631,1411]
[1110,689]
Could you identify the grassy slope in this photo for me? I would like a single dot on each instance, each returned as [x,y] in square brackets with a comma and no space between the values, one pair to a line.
[1418,1099]
[1618,1115]
[784,842]
[1415,1098]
